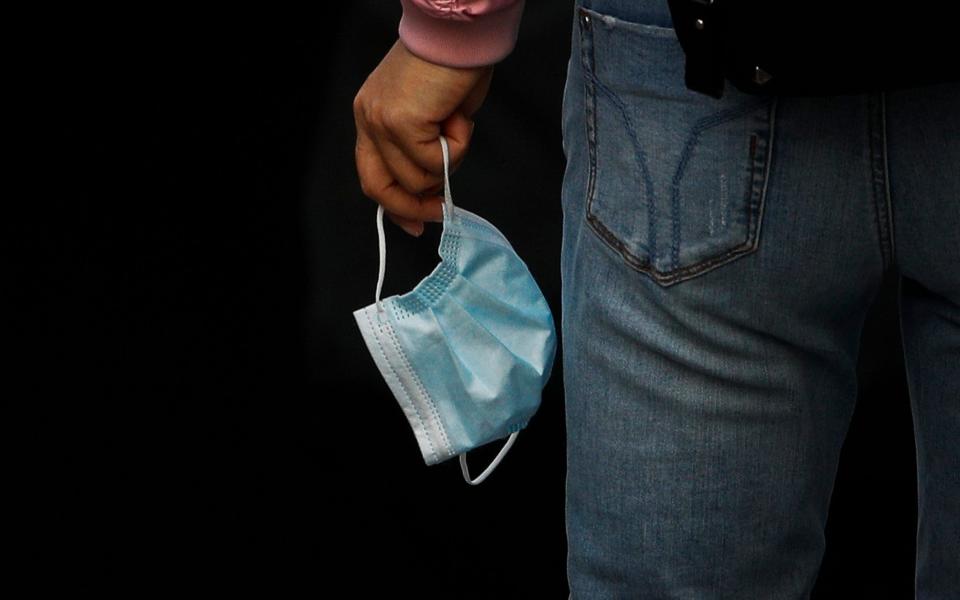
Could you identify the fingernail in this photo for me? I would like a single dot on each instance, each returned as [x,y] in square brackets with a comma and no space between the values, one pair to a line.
[414,230]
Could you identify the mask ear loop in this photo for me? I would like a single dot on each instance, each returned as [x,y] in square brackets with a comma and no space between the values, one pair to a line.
[447,194]
[447,216]
[493,464]
[383,255]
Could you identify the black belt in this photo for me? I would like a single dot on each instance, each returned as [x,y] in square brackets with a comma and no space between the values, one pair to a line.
[815,47]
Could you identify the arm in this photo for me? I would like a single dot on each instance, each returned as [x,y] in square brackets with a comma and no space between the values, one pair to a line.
[431,81]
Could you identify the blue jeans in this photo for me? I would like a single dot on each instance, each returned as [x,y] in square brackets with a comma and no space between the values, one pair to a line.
[719,259]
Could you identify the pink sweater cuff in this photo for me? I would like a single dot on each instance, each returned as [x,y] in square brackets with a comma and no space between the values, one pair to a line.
[482,40]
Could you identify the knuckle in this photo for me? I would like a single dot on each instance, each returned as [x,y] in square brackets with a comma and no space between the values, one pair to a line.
[396,209]
[414,180]
[392,116]
[366,188]
[430,185]
[405,183]
[359,106]
[420,183]
[433,189]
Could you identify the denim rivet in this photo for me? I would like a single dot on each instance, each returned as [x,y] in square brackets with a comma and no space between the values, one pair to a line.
[760,76]
[699,23]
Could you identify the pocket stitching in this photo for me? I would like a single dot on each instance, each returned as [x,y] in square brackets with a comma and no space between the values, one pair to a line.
[702,125]
[756,194]
[641,159]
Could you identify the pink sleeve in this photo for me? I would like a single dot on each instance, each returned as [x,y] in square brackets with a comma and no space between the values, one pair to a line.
[460,33]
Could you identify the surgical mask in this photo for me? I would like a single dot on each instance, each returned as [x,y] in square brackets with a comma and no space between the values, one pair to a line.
[467,352]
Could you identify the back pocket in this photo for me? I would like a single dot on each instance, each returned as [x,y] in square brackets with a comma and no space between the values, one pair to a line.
[677,179]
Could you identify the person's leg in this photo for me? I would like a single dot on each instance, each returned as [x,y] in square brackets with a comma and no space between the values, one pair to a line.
[719,258]
[923,142]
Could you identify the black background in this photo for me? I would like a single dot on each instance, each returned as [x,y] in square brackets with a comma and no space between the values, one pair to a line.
[201,410]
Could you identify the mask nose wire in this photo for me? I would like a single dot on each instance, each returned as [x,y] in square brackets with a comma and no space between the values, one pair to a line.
[447,215]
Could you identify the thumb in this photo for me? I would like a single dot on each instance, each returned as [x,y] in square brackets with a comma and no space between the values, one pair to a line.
[458,129]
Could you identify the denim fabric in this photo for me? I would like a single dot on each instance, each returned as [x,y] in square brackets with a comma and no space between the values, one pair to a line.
[719,259]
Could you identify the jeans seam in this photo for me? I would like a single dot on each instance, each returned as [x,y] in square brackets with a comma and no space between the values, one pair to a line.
[589,97]
[886,179]
[917,426]
[879,180]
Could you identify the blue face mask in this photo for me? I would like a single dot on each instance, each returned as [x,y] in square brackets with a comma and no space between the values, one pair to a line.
[467,352]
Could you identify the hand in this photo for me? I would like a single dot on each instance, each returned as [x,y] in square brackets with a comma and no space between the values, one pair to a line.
[400,111]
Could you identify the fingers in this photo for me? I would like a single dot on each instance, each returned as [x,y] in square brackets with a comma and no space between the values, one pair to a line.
[400,111]
[405,170]
[378,182]
[414,228]
[423,148]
